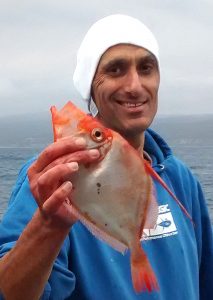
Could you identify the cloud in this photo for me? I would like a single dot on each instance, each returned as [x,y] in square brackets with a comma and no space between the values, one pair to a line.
[39,40]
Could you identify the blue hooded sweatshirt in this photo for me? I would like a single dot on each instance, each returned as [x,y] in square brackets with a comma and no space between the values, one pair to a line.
[86,268]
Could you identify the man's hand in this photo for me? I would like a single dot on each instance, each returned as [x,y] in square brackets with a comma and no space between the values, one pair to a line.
[50,176]
[41,240]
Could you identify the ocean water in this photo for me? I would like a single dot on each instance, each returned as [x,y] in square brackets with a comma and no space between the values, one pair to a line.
[190,138]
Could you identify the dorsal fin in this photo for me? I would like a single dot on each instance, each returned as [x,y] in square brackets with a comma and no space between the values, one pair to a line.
[68,117]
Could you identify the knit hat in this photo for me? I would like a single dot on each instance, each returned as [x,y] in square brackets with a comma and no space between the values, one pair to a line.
[105,33]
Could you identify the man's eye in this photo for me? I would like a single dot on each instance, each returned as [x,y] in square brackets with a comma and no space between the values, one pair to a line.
[146,68]
[114,70]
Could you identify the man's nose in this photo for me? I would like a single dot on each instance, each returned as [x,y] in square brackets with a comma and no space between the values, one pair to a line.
[133,84]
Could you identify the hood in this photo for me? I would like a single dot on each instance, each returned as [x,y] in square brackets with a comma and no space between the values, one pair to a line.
[157,149]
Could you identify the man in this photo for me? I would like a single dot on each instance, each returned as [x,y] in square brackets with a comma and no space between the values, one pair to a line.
[118,74]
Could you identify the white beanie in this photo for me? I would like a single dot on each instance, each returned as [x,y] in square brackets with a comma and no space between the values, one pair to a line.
[105,33]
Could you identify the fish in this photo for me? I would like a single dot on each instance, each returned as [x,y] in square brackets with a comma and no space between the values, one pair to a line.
[113,197]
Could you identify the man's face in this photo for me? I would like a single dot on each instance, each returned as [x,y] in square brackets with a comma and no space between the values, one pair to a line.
[125,88]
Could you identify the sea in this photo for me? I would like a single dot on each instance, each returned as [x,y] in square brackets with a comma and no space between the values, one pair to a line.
[24,136]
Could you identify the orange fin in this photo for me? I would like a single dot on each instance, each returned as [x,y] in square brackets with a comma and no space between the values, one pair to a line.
[53,110]
[143,277]
[65,121]
[152,212]
[159,179]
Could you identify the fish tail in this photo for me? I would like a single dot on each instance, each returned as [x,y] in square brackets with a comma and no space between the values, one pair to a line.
[159,179]
[143,277]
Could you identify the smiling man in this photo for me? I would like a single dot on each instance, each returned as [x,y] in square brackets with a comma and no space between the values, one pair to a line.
[45,253]
[125,90]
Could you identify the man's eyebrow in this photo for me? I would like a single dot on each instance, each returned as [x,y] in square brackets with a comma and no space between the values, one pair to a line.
[113,62]
[148,57]
[121,61]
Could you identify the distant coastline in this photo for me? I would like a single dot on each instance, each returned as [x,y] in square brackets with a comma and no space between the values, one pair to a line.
[24,136]
[22,129]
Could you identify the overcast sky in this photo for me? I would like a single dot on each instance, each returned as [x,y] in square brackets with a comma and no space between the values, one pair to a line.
[39,40]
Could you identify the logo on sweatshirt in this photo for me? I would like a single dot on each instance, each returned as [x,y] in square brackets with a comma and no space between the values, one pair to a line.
[164,227]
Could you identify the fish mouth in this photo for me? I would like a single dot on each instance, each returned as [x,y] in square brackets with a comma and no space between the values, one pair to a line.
[103,148]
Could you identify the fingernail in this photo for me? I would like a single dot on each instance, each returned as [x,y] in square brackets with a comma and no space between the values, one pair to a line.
[73,166]
[67,186]
[94,153]
[80,142]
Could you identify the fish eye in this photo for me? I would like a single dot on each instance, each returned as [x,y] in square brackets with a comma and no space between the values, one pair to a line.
[97,135]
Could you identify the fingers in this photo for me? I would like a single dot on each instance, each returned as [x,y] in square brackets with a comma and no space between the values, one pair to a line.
[49,175]
[55,150]
[53,178]
[81,157]
[58,206]
[52,205]
[60,170]
[44,184]
[84,157]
